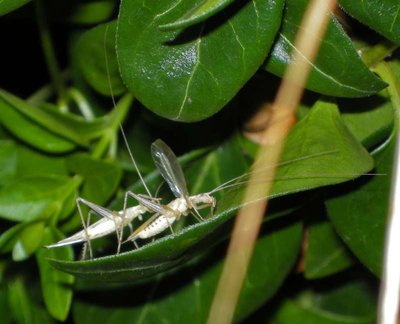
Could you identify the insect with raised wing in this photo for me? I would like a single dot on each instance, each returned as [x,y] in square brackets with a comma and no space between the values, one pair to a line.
[170,169]
[110,221]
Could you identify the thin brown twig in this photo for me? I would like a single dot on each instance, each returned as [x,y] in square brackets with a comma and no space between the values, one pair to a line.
[249,219]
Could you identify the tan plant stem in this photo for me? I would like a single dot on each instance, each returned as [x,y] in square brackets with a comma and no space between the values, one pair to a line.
[248,221]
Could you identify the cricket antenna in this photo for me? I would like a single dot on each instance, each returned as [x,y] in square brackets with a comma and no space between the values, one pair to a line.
[120,125]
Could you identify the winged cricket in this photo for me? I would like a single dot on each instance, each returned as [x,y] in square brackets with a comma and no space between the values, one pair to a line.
[110,221]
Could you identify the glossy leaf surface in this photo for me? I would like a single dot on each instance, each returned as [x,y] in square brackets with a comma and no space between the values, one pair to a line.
[190,75]
[382,16]
[337,70]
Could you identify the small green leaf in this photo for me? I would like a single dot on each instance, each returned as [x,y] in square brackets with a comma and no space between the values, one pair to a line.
[34,197]
[326,253]
[382,16]
[30,132]
[92,12]
[190,75]
[46,127]
[97,59]
[87,130]
[9,237]
[7,6]
[310,163]
[198,13]
[337,70]
[29,240]
[56,285]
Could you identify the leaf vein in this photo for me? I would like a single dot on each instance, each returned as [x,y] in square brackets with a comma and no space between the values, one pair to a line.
[395,18]
[322,72]
[198,42]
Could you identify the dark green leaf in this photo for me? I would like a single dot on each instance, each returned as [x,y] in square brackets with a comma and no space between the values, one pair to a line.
[326,254]
[8,158]
[35,197]
[372,124]
[352,302]
[29,240]
[382,16]
[311,163]
[92,12]
[198,13]
[97,58]
[274,256]
[360,211]
[338,69]
[30,132]
[7,6]
[190,75]
[360,223]
[56,285]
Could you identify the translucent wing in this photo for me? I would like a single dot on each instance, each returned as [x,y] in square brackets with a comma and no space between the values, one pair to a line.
[169,167]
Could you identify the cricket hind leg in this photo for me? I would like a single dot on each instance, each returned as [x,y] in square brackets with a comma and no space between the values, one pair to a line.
[85,225]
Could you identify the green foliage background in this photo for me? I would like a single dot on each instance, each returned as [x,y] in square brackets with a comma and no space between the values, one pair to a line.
[192,73]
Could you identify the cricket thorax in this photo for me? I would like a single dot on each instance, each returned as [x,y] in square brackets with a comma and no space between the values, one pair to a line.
[131,213]
[179,205]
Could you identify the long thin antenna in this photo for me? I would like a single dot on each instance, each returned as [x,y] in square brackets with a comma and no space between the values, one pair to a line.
[120,126]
